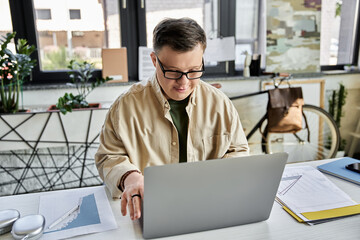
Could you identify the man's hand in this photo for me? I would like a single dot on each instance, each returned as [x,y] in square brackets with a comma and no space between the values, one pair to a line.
[132,195]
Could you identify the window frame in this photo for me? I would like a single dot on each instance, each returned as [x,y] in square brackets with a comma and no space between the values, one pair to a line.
[226,28]
[261,36]
[133,35]
[74,11]
[355,54]
[38,10]
[23,20]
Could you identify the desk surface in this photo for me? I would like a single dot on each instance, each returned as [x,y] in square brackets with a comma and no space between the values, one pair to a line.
[280,225]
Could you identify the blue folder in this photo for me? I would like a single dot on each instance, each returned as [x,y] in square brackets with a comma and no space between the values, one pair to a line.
[337,169]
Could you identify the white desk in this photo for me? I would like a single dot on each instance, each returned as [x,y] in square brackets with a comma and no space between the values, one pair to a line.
[280,225]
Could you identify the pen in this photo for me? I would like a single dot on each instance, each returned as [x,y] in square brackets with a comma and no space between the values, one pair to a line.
[285,190]
[68,213]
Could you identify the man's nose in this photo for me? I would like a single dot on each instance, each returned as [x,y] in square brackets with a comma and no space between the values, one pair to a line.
[183,80]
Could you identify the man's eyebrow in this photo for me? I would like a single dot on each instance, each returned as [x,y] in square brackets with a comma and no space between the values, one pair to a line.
[167,66]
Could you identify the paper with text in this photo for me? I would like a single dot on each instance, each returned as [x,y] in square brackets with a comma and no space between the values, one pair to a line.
[220,49]
[146,67]
[312,192]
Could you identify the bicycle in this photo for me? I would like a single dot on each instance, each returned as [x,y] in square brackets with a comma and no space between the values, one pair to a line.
[318,139]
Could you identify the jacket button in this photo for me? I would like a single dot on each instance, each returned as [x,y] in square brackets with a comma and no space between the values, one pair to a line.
[173,143]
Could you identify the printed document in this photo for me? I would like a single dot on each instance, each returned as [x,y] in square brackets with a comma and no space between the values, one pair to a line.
[76,212]
[304,189]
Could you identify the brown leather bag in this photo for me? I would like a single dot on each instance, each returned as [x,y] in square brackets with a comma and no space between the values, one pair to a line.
[285,110]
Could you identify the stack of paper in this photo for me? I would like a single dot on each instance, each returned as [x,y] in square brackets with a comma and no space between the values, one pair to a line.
[308,196]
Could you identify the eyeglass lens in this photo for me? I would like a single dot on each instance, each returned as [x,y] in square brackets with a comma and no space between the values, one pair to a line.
[177,75]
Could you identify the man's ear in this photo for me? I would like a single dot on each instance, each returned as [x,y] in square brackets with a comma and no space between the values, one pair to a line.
[153,58]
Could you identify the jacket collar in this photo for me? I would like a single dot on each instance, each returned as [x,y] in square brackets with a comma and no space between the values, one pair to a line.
[162,99]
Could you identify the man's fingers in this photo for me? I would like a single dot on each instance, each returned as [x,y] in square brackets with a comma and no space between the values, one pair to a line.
[132,195]
[137,206]
[123,204]
[133,203]
[131,208]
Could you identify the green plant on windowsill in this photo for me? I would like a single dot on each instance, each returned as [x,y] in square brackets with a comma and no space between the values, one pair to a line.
[80,74]
[336,102]
[15,68]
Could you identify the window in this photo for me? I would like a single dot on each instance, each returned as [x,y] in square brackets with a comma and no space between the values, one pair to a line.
[74,14]
[43,14]
[250,30]
[217,19]
[340,34]
[5,19]
[204,12]
[61,40]
[62,30]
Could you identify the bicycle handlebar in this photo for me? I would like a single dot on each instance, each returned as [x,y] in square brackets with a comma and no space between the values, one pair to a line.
[276,74]
[280,77]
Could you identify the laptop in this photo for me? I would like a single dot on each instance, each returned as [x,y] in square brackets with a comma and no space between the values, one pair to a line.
[199,196]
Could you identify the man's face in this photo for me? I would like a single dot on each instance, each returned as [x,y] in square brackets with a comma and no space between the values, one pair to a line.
[180,61]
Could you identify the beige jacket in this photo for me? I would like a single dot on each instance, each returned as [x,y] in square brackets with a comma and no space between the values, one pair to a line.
[139,132]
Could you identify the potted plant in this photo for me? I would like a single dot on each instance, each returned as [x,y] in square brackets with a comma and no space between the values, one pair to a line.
[80,74]
[15,68]
[336,102]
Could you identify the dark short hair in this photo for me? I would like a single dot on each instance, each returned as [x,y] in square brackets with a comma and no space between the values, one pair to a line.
[181,35]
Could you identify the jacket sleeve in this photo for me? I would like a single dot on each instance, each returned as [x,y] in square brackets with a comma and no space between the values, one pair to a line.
[238,145]
[111,159]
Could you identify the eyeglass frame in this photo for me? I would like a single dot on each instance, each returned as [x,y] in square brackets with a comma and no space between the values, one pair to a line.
[182,73]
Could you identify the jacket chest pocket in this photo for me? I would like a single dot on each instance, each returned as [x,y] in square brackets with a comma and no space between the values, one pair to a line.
[216,146]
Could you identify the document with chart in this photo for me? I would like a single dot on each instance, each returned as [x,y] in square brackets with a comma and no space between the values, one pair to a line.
[76,212]
[307,195]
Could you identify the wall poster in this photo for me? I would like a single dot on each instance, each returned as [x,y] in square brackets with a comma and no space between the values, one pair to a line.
[293,36]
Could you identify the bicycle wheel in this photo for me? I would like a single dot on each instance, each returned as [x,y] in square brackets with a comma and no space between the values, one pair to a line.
[323,141]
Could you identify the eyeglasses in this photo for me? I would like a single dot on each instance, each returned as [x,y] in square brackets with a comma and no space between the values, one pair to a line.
[175,75]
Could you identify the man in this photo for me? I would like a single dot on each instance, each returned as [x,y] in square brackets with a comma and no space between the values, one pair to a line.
[172,118]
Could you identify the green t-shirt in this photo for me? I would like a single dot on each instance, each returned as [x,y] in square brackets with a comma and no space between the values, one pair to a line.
[181,121]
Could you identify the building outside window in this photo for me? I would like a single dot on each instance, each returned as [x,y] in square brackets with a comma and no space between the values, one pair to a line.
[61,38]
